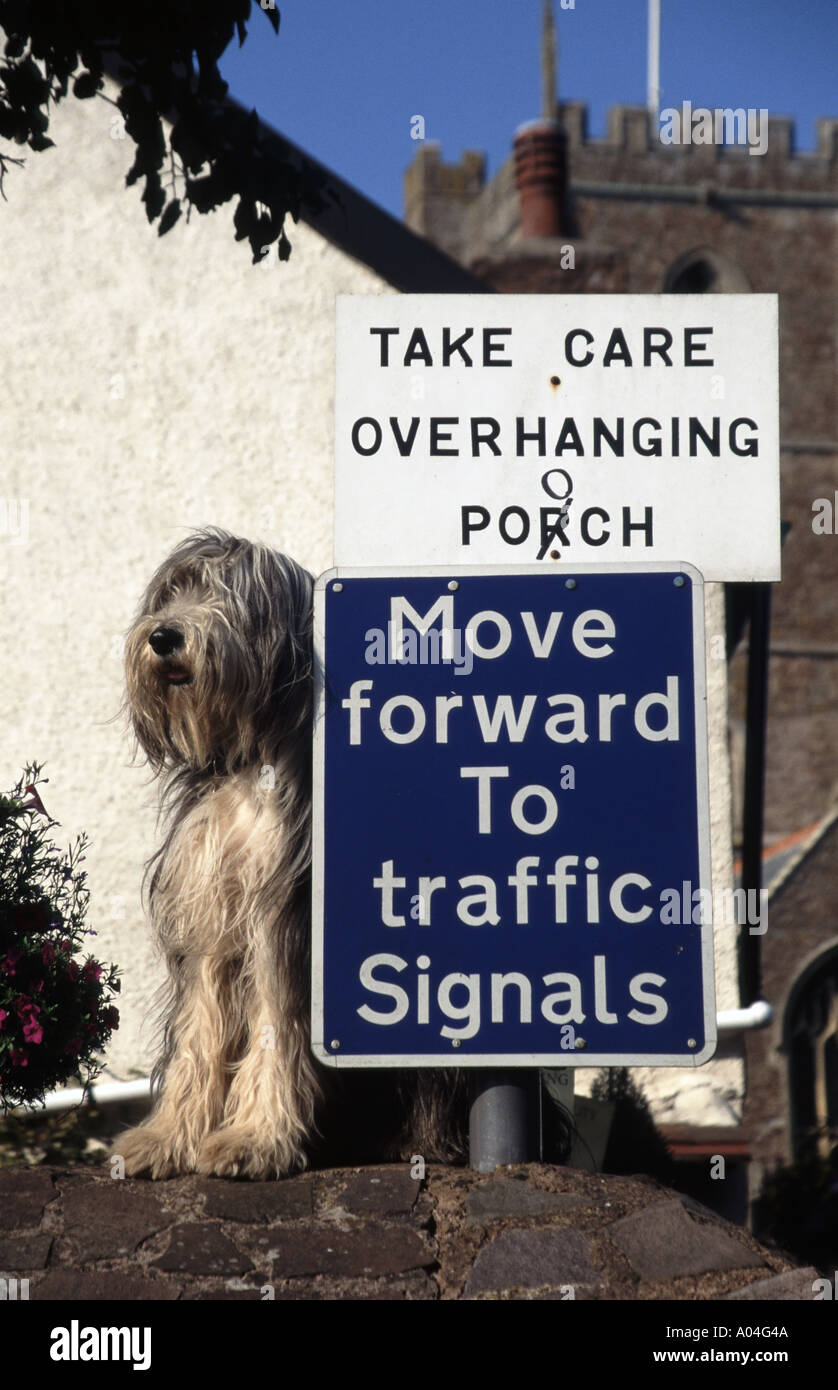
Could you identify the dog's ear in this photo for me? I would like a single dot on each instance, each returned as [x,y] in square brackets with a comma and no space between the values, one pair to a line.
[293,615]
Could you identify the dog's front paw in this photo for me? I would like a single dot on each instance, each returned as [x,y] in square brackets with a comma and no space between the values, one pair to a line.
[233,1153]
[148,1150]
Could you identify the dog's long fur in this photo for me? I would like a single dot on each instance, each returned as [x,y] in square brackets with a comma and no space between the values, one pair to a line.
[219,692]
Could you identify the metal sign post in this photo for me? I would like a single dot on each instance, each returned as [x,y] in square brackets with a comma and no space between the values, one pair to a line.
[501,1118]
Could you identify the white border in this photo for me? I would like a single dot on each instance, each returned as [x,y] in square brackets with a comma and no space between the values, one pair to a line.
[517,1059]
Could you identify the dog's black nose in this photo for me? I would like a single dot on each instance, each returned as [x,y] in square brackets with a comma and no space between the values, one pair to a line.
[165,640]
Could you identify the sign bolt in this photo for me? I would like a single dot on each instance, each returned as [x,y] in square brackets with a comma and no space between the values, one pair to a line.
[679,581]
[570,584]
[456,1042]
[580,1044]
[337,588]
[691,1042]
[335,1044]
[453,585]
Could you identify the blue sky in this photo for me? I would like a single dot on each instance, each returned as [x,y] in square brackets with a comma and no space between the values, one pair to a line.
[344,79]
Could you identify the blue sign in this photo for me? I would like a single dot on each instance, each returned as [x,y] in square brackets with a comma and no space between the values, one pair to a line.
[511,859]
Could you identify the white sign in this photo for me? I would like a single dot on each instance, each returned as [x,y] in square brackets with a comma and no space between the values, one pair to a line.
[512,429]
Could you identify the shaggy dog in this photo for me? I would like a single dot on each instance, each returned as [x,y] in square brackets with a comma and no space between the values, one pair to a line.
[219,674]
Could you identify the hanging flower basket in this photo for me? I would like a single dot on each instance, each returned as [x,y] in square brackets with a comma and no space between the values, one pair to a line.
[56,1010]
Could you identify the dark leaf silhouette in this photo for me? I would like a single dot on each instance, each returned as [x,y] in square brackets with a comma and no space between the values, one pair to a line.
[170,217]
[193,149]
[87,84]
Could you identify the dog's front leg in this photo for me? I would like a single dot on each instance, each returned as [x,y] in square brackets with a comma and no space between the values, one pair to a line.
[190,1102]
[269,1109]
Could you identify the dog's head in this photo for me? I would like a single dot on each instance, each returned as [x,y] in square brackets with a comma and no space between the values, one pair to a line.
[218,661]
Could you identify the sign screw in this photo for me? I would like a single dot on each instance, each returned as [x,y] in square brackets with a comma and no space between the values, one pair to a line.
[453,585]
[580,1044]
[337,588]
[570,584]
[691,1042]
[679,581]
[335,1044]
[456,1042]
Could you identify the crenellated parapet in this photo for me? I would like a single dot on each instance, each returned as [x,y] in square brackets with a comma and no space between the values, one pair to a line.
[735,162]
[735,146]
[638,150]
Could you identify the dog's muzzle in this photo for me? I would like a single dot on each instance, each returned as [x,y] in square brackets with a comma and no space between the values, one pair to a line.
[164,642]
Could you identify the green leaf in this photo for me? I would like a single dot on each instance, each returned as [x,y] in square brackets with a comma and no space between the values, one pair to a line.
[170,217]
[204,194]
[273,16]
[134,172]
[154,197]
[191,149]
[243,219]
[86,85]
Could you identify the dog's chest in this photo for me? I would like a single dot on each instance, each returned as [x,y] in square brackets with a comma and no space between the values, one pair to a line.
[219,862]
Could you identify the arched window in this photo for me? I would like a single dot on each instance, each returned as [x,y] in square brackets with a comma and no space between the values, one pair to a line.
[811,1035]
[704,272]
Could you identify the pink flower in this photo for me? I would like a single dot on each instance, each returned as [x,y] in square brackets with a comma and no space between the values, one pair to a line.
[48,953]
[8,965]
[35,803]
[18,1058]
[32,1031]
[92,971]
[3,1017]
[72,971]
[27,1013]
[74,1046]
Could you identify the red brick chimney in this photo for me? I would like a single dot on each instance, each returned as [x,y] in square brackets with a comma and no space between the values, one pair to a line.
[541,177]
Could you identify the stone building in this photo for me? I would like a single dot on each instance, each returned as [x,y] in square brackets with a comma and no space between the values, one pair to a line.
[567,214]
